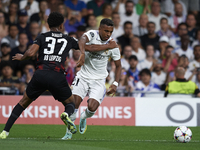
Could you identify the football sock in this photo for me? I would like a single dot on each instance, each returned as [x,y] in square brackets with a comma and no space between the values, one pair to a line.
[73,118]
[69,108]
[87,114]
[16,112]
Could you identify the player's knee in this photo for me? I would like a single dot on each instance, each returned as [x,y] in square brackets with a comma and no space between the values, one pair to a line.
[92,108]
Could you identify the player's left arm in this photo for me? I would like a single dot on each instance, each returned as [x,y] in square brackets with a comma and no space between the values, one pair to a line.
[113,87]
[29,53]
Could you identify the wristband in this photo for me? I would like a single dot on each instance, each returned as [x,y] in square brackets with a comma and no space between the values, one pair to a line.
[115,83]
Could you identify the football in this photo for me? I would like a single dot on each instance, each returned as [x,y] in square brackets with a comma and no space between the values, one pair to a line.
[182,134]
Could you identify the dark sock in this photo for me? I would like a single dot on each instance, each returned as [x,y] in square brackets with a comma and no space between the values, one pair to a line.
[18,109]
[69,108]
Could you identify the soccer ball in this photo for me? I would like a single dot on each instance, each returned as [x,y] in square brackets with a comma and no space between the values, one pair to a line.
[182,134]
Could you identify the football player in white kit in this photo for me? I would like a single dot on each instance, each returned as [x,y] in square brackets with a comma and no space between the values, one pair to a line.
[91,78]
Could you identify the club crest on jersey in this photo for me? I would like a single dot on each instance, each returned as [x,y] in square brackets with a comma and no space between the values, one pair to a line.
[92,34]
[106,51]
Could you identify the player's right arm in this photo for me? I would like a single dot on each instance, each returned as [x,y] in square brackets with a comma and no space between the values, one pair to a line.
[96,48]
[29,53]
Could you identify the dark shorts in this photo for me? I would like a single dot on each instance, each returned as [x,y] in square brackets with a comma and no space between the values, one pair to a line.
[55,82]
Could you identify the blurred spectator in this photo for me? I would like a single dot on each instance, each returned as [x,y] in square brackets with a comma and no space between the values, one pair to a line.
[12,38]
[137,50]
[149,61]
[198,78]
[125,59]
[7,79]
[185,48]
[63,10]
[3,26]
[5,50]
[126,37]
[12,13]
[120,6]
[41,16]
[72,22]
[31,6]
[28,72]
[80,30]
[133,72]
[163,43]
[169,63]
[158,75]
[22,88]
[191,23]
[181,30]
[181,85]
[77,8]
[95,7]
[151,37]
[34,31]
[196,62]
[145,84]
[164,28]
[197,39]
[178,17]
[129,15]
[184,62]
[167,7]
[118,29]
[21,49]
[53,4]
[74,59]
[125,87]
[192,6]
[69,72]
[142,28]
[155,15]
[107,13]
[4,5]
[143,7]
[23,25]
[91,23]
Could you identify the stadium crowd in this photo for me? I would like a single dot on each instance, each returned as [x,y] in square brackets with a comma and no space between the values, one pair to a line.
[155,37]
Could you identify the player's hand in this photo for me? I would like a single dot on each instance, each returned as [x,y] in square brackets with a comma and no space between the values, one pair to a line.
[112,44]
[112,89]
[17,57]
[81,60]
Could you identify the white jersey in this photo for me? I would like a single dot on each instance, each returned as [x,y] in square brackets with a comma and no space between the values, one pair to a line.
[95,66]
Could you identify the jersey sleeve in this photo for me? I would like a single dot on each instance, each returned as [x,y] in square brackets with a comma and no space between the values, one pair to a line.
[90,34]
[74,43]
[38,40]
[115,54]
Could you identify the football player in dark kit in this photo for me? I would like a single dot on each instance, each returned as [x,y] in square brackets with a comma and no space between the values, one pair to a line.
[53,48]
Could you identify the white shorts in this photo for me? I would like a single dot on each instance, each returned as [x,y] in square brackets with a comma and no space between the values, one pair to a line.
[94,88]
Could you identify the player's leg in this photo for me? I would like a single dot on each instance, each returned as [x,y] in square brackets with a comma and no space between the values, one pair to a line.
[16,112]
[96,95]
[79,90]
[78,100]
[34,90]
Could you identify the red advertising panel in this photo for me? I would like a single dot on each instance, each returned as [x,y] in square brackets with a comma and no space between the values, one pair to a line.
[45,110]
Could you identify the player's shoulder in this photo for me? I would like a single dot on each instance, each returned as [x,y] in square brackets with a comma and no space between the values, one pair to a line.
[92,33]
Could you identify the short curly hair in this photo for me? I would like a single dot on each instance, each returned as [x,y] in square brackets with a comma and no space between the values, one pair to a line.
[55,19]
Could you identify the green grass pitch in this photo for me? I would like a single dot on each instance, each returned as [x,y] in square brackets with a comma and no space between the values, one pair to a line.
[48,137]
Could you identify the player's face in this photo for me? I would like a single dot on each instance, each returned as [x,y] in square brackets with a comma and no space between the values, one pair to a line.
[105,32]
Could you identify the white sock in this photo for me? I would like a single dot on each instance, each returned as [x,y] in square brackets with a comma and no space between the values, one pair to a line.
[87,114]
[7,133]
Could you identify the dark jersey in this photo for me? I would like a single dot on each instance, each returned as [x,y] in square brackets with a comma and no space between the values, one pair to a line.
[53,50]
